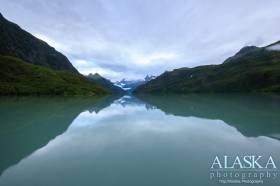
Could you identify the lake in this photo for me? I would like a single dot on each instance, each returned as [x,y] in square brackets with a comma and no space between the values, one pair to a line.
[139,141]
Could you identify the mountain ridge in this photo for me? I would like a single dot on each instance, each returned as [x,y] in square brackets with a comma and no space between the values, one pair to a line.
[107,84]
[29,66]
[17,42]
[252,69]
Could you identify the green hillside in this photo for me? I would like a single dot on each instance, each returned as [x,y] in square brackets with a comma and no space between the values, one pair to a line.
[252,69]
[20,78]
[19,43]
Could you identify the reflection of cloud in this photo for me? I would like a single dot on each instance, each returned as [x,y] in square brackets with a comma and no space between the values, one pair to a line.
[90,119]
[117,124]
[118,139]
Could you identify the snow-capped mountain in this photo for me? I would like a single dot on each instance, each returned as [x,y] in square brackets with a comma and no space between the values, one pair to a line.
[129,85]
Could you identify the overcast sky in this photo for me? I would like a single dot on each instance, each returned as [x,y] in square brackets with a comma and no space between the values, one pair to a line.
[132,38]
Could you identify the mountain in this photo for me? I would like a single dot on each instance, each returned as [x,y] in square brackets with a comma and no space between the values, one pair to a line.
[252,69]
[130,85]
[30,66]
[107,84]
[20,78]
[19,43]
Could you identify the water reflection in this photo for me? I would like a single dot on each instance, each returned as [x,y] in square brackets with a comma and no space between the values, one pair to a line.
[158,141]
[29,123]
[252,114]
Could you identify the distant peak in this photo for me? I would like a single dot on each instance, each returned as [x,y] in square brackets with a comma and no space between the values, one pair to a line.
[91,74]
[242,52]
[149,77]
[246,50]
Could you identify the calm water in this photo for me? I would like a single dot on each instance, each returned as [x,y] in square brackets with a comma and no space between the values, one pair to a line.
[128,141]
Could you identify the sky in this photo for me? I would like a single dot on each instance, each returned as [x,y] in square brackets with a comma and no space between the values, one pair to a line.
[132,38]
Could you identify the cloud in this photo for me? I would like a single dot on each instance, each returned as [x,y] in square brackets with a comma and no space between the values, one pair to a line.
[53,43]
[274,47]
[129,39]
[87,67]
[152,59]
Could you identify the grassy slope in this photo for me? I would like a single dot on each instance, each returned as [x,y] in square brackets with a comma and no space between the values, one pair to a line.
[20,78]
[257,71]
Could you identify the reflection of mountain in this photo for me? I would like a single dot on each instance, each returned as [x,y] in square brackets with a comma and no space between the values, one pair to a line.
[129,100]
[132,100]
[252,115]
[103,103]
[27,124]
